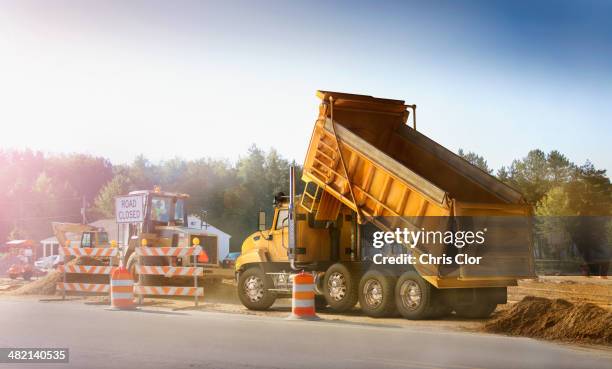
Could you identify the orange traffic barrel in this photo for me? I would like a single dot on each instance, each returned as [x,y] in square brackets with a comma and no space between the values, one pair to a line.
[302,299]
[122,289]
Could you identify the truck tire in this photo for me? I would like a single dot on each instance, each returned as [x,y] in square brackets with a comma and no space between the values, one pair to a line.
[476,310]
[340,287]
[413,296]
[254,289]
[376,294]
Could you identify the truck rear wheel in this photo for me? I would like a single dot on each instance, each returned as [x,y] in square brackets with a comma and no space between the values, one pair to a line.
[413,296]
[340,287]
[254,289]
[376,294]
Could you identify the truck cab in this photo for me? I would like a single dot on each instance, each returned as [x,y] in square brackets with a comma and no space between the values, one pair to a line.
[267,260]
[271,243]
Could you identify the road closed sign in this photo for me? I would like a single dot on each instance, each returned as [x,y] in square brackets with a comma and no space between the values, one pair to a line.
[129,209]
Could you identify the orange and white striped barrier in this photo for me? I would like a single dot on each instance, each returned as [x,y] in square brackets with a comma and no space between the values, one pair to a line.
[169,291]
[99,252]
[169,251]
[302,299]
[83,287]
[170,271]
[122,289]
[85,269]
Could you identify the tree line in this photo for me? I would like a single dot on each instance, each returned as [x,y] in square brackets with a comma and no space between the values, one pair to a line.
[553,184]
[572,202]
[36,189]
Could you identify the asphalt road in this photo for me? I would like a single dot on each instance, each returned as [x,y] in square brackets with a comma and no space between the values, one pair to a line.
[99,338]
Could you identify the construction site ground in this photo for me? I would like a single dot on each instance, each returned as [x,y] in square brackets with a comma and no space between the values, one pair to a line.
[221,297]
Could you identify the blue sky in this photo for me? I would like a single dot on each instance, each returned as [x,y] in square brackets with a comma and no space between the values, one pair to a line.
[195,79]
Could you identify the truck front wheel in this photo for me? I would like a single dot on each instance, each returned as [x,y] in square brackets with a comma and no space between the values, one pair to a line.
[254,289]
[376,291]
[340,287]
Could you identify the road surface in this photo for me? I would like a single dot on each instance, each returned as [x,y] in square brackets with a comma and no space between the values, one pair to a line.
[100,338]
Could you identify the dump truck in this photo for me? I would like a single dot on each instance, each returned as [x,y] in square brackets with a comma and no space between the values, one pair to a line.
[368,171]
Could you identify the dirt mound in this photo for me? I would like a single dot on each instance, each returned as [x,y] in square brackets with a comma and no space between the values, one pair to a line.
[46,285]
[555,319]
[42,286]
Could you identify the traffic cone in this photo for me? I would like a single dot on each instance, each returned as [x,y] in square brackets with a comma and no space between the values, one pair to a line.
[302,299]
[122,289]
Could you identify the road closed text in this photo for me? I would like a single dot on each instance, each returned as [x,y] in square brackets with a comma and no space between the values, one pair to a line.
[408,259]
[129,209]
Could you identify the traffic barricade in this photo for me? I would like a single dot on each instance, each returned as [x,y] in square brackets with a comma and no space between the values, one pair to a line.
[302,297]
[122,289]
[93,288]
[169,271]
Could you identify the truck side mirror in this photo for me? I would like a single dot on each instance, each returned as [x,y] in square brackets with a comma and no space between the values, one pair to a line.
[262,221]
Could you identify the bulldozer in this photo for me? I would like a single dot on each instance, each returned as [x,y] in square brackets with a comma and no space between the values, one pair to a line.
[164,224]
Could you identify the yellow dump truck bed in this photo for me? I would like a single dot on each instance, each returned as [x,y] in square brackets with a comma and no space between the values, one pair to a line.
[398,176]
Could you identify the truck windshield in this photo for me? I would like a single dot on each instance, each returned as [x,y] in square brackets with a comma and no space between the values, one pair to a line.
[160,209]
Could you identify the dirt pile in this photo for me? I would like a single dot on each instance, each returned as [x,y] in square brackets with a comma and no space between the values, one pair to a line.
[47,285]
[555,319]
[42,286]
